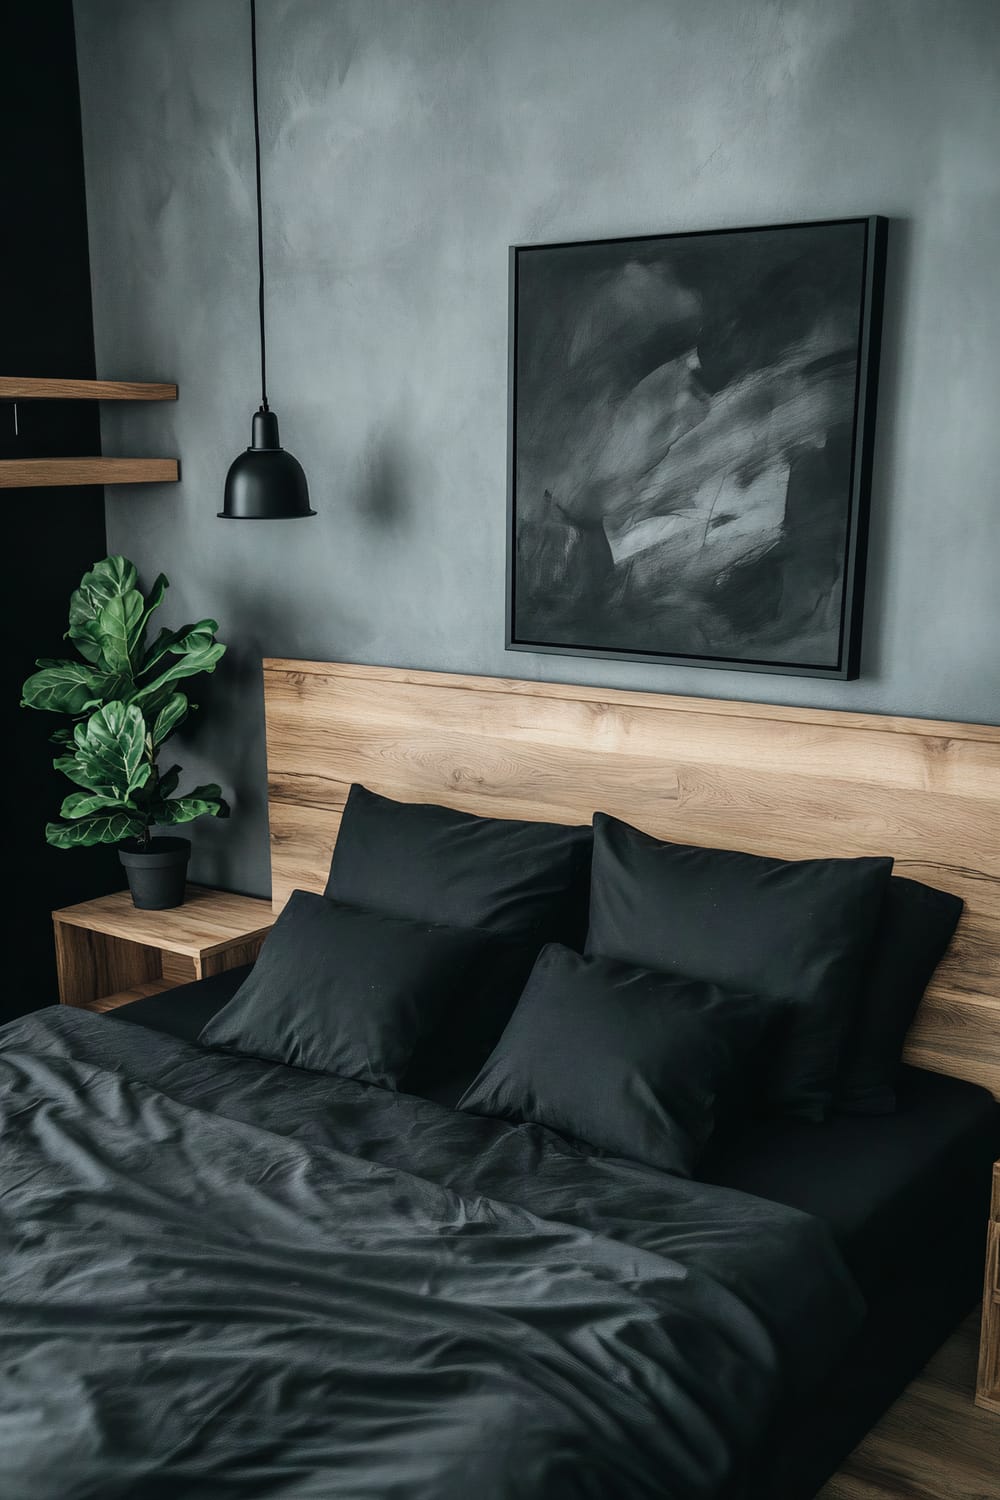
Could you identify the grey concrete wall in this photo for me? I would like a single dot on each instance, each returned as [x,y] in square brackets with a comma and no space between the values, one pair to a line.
[406,144]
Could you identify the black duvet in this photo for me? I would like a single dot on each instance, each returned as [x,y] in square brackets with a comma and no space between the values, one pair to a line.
[231,1278]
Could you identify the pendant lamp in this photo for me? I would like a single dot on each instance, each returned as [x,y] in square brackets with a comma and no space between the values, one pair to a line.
[265,483]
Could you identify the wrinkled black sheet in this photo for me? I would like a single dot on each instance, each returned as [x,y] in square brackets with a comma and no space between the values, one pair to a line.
[230,1278]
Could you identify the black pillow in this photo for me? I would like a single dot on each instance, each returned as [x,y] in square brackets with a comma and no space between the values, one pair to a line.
[433,864]
[916,925]
[623,1059]
[797,930]
[343,991]
[447,1059]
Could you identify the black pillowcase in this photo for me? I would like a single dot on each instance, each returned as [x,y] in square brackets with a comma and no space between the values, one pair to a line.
[525,883]
[435,864]
[348,992]
[446,1060]
[622,1059]
[795,930]
[916,925]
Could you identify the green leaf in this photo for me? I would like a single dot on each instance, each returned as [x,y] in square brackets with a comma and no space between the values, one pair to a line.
[107,580]
[111,750]
[87,641]
[82,804]
[119,630]
[187,638]
[71,767]
[171,715]
[105,828]
[125,696]
[153,601]
[201,659]
[211,793]
[168,781]
[159,648]
[112,576]
[84,773]
[204,799]
[66,687]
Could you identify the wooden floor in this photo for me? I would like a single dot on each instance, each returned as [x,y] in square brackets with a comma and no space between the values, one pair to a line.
[934,1444]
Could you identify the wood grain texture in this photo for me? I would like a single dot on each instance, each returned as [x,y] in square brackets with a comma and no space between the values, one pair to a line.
[208,921]
[788,782]
[125,997]
[233,957]
[934,1443]
[573,692]
[91,965]
[988,1375]
[179,968]
[25,388]
[109,953]
[33,473]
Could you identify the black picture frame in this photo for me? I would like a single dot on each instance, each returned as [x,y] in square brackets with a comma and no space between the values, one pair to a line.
[804,577]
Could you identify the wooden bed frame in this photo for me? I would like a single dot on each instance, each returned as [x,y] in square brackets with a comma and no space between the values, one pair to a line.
[790,782]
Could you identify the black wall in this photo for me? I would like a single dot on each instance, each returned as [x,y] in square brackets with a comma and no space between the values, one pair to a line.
[50,536]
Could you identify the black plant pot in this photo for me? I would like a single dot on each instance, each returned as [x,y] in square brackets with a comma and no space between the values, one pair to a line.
[156,874]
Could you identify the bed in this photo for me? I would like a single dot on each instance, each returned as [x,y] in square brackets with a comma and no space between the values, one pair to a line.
[511,1314]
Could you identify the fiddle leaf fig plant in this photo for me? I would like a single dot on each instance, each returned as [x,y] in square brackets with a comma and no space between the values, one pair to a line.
[124,703]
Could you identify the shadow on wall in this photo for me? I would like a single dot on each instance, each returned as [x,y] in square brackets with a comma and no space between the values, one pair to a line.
[231,852]
[899,257]
[225,741]
[384,496]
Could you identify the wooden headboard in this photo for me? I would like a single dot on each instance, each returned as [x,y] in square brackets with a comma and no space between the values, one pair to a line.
[790,782]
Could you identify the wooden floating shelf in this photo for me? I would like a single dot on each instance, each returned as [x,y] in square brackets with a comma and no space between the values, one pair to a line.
[20,388]
[32,473]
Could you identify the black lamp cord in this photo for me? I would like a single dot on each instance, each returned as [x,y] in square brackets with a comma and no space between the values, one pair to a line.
[260,213]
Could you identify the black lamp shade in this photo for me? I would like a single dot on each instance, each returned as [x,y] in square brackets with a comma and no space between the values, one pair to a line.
[265,483]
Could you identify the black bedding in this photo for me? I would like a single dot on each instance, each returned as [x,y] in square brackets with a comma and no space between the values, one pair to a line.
[184,1010]
[314,1286]
[878,1182]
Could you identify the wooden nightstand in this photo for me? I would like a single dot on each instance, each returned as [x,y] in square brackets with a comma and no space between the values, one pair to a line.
[108,952]
[988,1383]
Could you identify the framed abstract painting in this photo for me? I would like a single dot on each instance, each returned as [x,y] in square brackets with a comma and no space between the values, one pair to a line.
[691,431]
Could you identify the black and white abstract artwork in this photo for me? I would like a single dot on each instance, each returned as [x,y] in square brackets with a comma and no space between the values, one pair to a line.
[690,445]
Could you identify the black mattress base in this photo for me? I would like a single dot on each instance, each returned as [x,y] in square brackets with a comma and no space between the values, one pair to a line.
[905,1327]
[882,1184]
